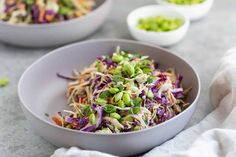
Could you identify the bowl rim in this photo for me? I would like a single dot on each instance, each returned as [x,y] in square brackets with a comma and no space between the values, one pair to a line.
[19,87]
[61,23]
[184,6]
[166,9]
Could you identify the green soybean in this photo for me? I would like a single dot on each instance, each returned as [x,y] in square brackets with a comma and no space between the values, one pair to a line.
[159,24]
[126,98]
[92,118]
[101,101]
[117,58]
[150,94]
[121,104]
[114,90]
[100,66]
[129,69]
[115,115]
[118,96]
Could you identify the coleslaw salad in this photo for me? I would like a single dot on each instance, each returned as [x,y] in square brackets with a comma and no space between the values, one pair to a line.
[122,93]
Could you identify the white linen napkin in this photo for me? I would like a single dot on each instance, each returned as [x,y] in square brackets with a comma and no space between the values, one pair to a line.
[214,136]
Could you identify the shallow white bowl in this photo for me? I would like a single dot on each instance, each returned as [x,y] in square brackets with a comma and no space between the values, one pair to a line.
[41,91]
[54,34]
[194,12]
[158,38]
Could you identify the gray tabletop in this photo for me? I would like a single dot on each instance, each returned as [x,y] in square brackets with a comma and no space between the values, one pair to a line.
[203,46]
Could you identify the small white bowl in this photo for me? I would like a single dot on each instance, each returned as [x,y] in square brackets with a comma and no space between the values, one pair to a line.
[194,12]
[158,38]
[55,34]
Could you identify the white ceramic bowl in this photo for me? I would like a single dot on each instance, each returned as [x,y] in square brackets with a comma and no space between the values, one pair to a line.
[194,12]
[158,38]
[41,91]
[54,34]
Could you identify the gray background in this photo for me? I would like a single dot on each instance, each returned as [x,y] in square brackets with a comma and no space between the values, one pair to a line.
[203,46]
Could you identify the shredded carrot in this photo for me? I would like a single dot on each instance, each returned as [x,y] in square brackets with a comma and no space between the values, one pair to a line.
[57,120]
[49,18]
[41,14]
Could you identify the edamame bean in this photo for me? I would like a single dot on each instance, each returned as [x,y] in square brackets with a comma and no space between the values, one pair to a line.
[114,90]
[92,118]
[118,96]
[126,98]
[159,24]
[121,104]
[101,101]
[150,94]
[115,115]
[117,58]
[128,68]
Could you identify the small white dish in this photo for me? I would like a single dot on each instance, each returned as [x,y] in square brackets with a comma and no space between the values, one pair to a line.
[194,12]
[159,38]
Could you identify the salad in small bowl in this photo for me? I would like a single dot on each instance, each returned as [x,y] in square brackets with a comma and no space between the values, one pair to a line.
[194,9]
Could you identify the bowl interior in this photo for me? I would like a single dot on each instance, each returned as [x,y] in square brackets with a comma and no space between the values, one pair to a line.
[41,91]
[153,10]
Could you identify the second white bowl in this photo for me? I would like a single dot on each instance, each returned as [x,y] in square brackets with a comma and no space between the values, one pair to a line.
[158,38]
[194,12]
